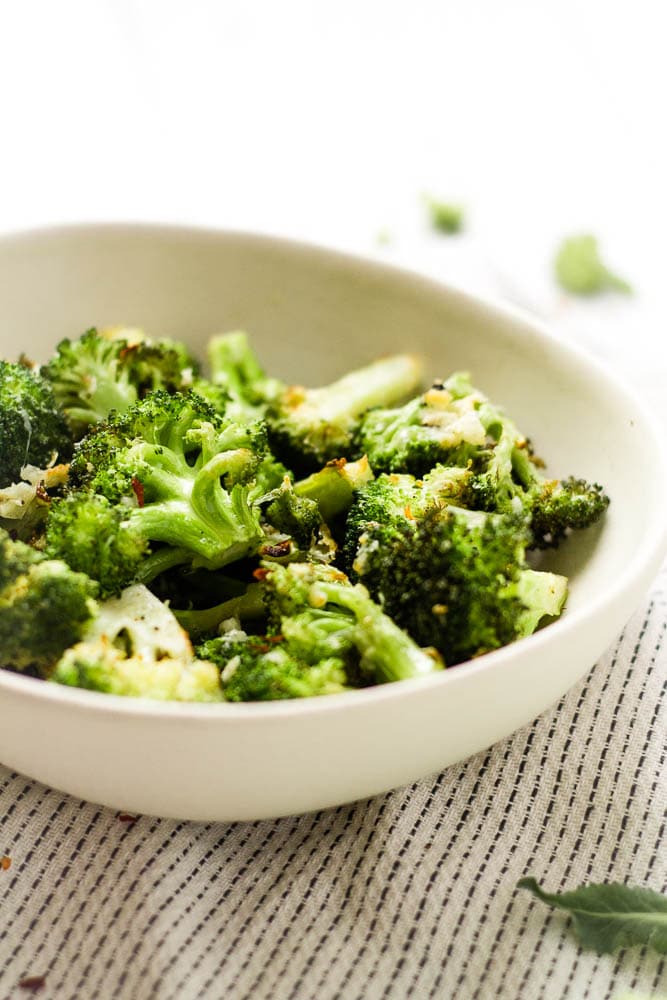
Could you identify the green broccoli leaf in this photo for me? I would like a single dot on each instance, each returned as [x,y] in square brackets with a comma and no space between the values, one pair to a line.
[608,917]
[579,268]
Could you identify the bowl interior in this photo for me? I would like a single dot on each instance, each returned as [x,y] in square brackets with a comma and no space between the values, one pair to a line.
[313,314]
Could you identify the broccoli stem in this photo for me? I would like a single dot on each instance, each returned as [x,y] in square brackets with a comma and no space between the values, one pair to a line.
[160,561]
[333,487]
[247,606]
[379,384]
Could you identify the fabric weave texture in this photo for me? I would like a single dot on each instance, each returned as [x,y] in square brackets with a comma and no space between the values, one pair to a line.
[411,894]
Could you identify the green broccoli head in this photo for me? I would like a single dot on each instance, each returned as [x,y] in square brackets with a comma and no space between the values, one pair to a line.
[452,579]
[93,536]
[328,607]
[105,371]
[44,607]
[395,499]
[184,476]
[294,516]
[33,430]
[441,426]
[256,668]
[309,427]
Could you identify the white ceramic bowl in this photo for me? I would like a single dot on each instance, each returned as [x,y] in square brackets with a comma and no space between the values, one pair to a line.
[313,314]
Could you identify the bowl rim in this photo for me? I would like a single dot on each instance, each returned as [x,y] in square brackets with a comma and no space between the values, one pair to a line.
[646,558]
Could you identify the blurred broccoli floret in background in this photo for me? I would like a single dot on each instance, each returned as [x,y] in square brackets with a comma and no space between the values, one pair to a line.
[33,429]
[580,269]
[446,217]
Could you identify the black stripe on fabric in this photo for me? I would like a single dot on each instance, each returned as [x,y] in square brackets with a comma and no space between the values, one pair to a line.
[246,865]
[100,909]
[25,865]
[405,846]
[286,870]
[630,798]
[551,799]
[589,812]
[144,937]
[385,889]
[620,763]
[148,892]
[342,909]
[495,843]
[331,853]
[547,749]
[460,868]
[54,919]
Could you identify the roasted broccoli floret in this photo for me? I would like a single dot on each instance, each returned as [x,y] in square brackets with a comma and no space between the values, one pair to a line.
[94,536]
[442,425]
[136,648]
[256,668]
[33,430]
[24,506]
[396,498]
[317,608]
[456,580]
[312,426]
[236,370]
[182,476]
[44,607]
[509,478]
[99,373]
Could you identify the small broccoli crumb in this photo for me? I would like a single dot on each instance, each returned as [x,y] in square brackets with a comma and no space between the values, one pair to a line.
[445,216]
[580,270]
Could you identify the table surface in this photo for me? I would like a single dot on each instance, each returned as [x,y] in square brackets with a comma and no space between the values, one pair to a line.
[330,125]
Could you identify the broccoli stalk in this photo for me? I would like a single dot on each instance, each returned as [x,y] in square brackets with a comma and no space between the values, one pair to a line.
[313,426]
[33,430]
[44,607]
[333,488]
[136,648]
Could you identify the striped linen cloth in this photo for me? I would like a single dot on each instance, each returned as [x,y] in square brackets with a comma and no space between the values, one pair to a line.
[411,894]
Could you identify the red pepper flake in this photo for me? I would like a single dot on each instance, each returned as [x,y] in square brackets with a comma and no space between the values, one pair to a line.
[126,817]
[260,574]
[138,491]
[276,551]
[5,863]
[33,983]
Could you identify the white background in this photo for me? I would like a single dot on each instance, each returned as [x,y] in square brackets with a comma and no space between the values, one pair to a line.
[329,121]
